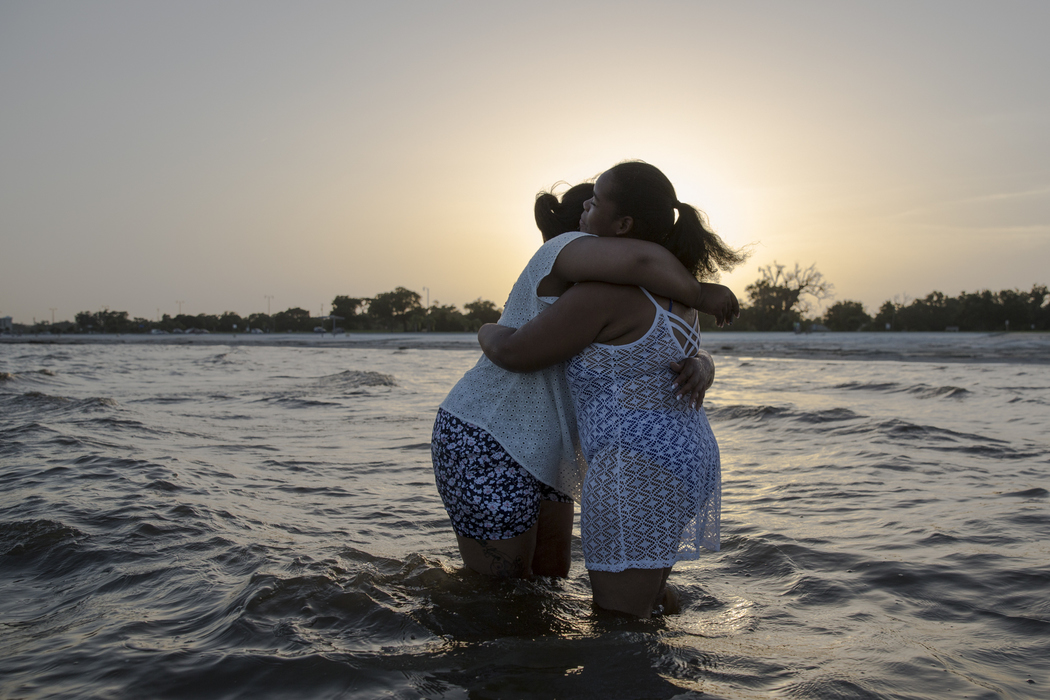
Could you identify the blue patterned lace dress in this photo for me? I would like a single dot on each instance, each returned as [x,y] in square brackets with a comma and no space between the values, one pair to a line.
[652,493]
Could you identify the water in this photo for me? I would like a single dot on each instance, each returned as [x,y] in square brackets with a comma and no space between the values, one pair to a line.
[213,520]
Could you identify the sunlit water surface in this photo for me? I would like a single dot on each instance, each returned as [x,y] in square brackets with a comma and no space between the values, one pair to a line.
[254,521]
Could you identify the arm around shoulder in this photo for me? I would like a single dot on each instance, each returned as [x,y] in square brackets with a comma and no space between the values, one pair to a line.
[559,332]
[626,261]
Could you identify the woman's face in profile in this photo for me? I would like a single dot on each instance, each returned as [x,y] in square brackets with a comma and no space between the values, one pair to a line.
[599,212]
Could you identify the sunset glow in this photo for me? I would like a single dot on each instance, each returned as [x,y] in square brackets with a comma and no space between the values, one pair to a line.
[218,154]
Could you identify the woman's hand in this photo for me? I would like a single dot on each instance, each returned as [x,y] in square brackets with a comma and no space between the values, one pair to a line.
[719,301]
[695,375]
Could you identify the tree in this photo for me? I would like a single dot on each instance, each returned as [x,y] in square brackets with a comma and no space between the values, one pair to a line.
[779,298]
[447,319]
[294,320]
[390,308]
[230,322]
[261,321]
[203,322]
[483,311]
[85,321]
[104,321]
[352,310]
[886,319]
[846,316]
[1039,306]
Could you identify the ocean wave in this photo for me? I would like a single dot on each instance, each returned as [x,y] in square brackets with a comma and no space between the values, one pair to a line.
[413,446]
[869,386]
[167,400]
[743,412]
[941,439]
[845,422]
[762,413]
[31,536]
[354,379]
[296,402]
[28,429]
[358,601]
[747,554]
[32,377]
[921,390]
[37,398]
[234,356]
[119,424]
[1037,492]
[1037,402]
[933,392]
[36,404]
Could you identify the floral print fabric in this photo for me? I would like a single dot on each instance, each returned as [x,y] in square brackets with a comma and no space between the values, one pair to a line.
[487,494]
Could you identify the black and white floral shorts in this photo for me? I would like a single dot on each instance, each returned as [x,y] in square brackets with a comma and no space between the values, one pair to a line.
[487,494]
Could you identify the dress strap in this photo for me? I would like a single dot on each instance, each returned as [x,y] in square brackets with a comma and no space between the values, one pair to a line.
[691,332]
[651,298]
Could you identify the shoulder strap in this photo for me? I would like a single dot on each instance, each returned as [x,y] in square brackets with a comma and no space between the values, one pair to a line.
[691,332]
[646,291]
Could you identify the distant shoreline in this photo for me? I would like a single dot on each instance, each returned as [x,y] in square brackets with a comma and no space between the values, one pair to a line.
[1022,347]
[395,341]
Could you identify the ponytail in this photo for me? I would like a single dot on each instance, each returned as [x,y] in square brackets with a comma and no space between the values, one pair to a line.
[701,250]
[554,217]
[642,192]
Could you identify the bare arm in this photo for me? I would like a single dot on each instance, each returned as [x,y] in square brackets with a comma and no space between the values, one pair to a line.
[643,264]
[559,332]
[582,315]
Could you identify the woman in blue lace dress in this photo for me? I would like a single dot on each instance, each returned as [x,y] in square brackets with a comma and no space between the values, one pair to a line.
[651,495]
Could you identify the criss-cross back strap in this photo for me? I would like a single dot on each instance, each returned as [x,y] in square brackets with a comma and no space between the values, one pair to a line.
[680,328]
[690,332]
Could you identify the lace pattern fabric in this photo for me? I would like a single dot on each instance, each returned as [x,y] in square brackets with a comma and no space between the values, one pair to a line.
[652,493]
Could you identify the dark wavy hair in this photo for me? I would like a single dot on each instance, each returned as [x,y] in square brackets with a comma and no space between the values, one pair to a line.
[642,192]
[555,217]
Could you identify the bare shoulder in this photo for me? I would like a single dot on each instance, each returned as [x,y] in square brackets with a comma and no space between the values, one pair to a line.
[625,311]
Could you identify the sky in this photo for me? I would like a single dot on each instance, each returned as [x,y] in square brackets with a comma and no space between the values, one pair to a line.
[223,156]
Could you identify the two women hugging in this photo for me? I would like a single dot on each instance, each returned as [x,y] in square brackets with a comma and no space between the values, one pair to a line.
[591,389]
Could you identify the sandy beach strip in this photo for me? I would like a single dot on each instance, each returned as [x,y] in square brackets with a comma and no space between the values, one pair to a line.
[1026,348]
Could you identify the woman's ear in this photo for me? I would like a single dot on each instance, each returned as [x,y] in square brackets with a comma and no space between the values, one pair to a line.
[623,226]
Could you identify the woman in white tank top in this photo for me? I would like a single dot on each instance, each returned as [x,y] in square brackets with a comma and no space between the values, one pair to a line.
[652,491]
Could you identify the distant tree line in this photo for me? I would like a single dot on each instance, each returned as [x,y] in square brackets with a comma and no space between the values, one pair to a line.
[399,310]
[1009,309]
[781,299]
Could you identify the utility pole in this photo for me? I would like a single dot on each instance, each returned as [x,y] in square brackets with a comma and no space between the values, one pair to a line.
[426,311]
[53,310]
[180,303]
[273,324]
